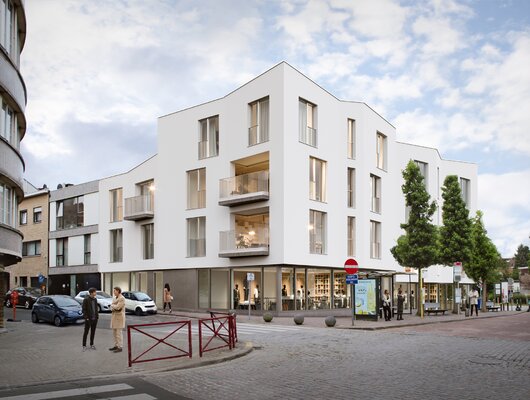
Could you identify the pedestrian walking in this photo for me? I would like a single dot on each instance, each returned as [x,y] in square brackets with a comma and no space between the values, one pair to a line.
[473,301]
[387,304]
[167,297]
[91,315]
[117,321]
[400,301]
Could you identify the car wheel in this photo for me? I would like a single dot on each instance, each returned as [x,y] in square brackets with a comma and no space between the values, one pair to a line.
[57,321]
[8,303]
[34,318]
[138,311]
[27,306]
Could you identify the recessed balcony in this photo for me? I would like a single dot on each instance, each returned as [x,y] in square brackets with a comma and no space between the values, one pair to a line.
[139,208]
[242,189]
[254,242]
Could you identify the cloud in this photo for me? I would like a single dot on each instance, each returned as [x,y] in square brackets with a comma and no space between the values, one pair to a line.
[504,200]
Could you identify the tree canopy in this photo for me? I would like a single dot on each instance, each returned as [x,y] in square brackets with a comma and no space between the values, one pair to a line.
[455,233]
[417,248]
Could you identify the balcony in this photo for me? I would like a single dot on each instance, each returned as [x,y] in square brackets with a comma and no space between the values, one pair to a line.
[242,189]
[244,244]
[139,208]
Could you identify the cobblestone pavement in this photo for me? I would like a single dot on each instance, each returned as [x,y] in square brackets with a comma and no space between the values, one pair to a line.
[405,363]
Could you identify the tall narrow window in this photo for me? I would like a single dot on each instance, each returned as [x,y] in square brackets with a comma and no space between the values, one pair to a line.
[317,179]
[88,250]
[375,239]
[197,188]
[351,187]
[116,245]
[62,252]
[197,237]
[424,171]
[317,232]
[70,213]
[381,151]
[465,189]
[23,220]
[375,189]
[116,205]
[351,138]
[209,137]
[351,236]
[259,122]
[148,236]
[307,123]
[147,191]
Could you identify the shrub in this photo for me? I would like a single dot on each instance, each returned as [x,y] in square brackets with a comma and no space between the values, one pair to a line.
[267,317]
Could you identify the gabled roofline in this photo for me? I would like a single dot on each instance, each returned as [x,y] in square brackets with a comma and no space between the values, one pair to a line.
[266,72]
[437,151]
[130,170]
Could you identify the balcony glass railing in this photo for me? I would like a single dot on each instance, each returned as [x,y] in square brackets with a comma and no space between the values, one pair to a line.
[139,205]
[308,136]
[257,134]
[256,238]
[254,182]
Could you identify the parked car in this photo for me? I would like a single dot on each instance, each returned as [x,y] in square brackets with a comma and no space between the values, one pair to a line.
[104,299]
[59,309]
[139,303]
[27,296]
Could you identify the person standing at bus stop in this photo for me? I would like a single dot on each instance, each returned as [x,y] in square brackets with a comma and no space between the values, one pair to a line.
[117,321]
[91,316]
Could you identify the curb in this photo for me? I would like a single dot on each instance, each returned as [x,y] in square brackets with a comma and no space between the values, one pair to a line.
[377,328]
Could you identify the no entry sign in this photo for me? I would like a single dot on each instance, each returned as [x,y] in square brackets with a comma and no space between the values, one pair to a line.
[350,266]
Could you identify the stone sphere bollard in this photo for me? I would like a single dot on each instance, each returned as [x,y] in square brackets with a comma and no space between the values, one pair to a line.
[298,319]
[330,321]
[267,317]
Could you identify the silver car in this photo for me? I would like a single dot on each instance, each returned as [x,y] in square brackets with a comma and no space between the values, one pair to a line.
[104,299]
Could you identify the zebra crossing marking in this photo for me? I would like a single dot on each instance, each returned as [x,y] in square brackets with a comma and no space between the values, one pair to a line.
[72,392]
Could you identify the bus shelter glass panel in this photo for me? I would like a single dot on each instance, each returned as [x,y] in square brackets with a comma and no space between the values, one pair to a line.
[288,289]
[342,298]
[319,288]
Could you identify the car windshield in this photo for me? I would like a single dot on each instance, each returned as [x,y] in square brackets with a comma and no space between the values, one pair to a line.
[65,302]
[142,296]
[103,295]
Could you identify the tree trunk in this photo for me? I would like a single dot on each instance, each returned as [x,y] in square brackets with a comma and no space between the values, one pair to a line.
[484,297]
[420,294]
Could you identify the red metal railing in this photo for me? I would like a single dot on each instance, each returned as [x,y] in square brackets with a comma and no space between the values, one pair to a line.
[223,329]
[214,314]
[140,329]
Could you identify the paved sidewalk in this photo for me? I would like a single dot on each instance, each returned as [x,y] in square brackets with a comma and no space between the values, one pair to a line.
[43,353]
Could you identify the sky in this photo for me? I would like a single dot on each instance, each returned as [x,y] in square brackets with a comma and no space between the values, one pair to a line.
[449,74]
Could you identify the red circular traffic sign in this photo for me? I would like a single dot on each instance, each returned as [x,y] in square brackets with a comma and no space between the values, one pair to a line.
[350,266]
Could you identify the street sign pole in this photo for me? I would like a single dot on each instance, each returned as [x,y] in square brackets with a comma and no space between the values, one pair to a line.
[353,303]
[250,278]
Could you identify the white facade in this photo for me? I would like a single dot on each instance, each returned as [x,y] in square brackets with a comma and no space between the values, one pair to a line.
[288,139]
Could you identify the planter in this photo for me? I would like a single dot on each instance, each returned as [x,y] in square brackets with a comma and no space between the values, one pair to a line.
[267,317]
[298,319]
[330,321]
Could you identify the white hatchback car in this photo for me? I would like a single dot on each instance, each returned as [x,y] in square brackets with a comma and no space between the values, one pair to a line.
[139,303]
[104,299]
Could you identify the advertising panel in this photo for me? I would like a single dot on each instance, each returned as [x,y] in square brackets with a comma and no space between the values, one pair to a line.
[365,297]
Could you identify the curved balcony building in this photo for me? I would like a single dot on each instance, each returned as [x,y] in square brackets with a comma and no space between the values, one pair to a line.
[12,127]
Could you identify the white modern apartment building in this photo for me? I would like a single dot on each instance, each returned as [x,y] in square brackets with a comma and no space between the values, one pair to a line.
[279,179]
[73,238]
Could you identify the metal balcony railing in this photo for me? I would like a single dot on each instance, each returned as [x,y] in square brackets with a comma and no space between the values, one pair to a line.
[257,134]
[245,188]
[139,207]
[238,243]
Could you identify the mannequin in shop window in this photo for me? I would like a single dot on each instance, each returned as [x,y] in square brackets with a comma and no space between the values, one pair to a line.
[245,290]
[256,297]
[236,296]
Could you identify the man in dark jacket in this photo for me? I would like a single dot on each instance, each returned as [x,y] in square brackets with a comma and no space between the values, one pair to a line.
[91,315]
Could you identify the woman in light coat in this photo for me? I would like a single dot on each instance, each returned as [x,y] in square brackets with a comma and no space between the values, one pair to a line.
[167,297]
[117,321]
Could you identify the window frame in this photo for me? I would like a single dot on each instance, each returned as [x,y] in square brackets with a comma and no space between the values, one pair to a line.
[317,232]
[317,189]
[205,132]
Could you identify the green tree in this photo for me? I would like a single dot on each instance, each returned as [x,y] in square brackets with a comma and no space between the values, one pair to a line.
[484,262]
[522,258]
[417,248]
[455,233]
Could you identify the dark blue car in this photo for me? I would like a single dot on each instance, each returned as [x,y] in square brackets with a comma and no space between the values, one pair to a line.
[58,309]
